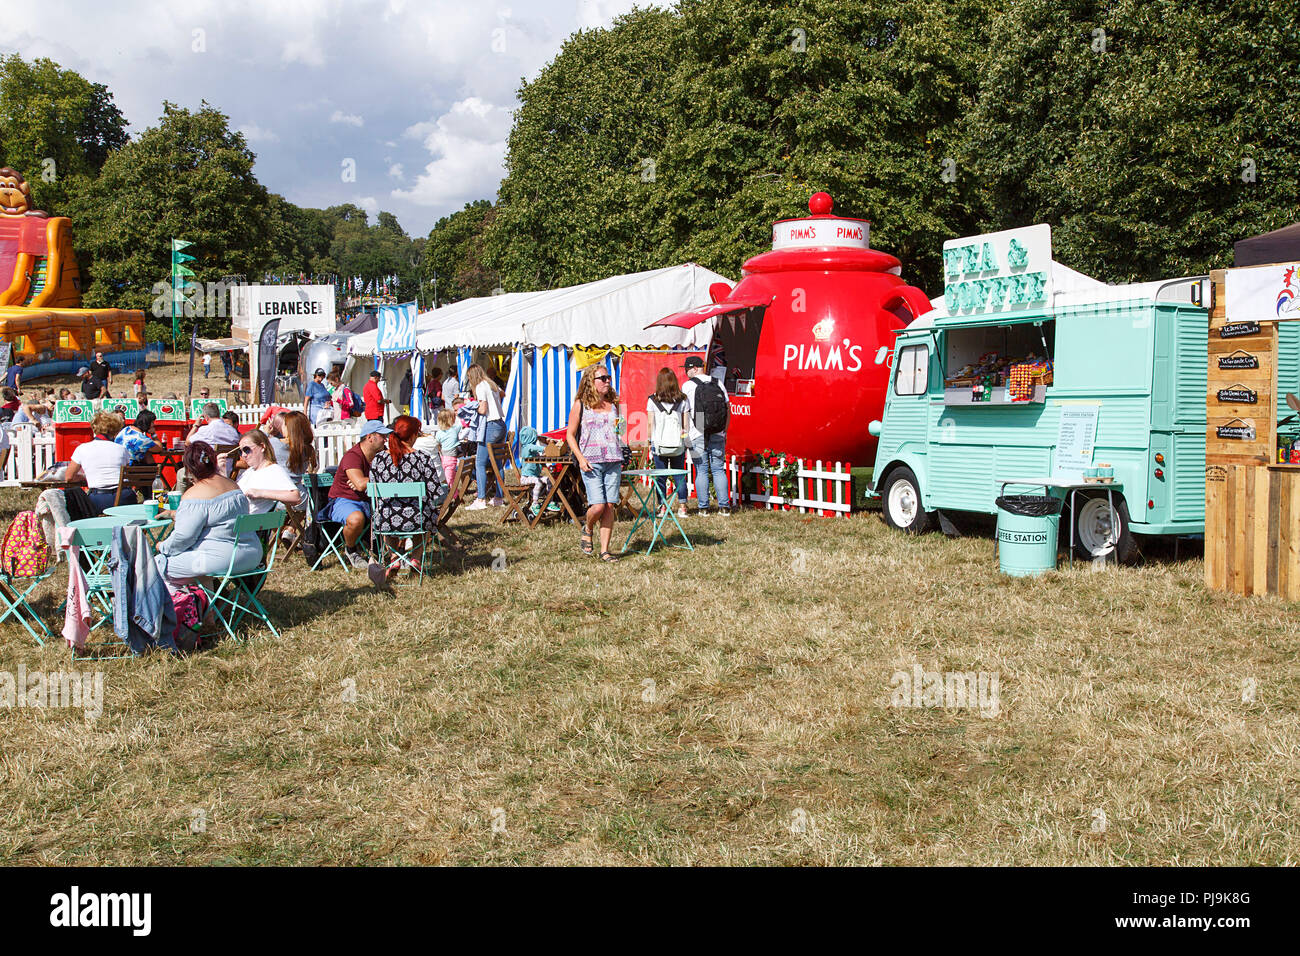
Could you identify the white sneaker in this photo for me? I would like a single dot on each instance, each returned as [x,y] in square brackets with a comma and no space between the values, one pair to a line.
[357,561]
[681,511]
[478,505]
[497,502]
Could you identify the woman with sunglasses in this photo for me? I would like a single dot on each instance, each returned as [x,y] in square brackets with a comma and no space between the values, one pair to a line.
[594,440]
[263,481]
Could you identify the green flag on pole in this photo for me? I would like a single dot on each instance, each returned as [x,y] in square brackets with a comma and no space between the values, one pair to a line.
[181,274]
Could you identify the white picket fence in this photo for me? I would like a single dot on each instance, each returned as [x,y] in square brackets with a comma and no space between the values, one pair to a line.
[823,489]
[30,453]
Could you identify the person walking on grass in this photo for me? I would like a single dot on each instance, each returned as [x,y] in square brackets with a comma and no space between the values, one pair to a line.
[594,440]
[710,412]
[491,428]
[666,412]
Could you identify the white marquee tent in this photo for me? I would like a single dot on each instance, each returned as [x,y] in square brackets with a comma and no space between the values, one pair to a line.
[542,330]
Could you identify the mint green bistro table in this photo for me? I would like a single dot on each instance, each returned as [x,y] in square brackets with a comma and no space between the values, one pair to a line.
[156,528]
[95,538]
[649,504]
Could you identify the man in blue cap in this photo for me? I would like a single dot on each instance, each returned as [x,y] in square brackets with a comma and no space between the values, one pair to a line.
[348,504]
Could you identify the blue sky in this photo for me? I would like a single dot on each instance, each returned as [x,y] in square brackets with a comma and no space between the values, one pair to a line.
[418,95]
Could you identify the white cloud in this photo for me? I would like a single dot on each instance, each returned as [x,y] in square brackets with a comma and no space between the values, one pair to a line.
[304,50]
[396,171]
[256,134]
[351,119]
[468,144]
[369,203]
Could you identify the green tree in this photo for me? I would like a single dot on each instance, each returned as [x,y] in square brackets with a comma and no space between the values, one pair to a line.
[55,127]
[681,135]
[190,177]
[453,254]
[1151,135]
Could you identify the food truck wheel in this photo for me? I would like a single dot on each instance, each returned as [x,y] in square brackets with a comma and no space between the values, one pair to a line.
[1093,535]
[902,499]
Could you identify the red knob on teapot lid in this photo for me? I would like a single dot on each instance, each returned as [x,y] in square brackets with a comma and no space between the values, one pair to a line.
[821,204]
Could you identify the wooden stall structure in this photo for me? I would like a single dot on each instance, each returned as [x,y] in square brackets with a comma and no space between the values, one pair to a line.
[1252,499]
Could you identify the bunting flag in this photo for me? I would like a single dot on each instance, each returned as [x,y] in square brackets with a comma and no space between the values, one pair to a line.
[464,359]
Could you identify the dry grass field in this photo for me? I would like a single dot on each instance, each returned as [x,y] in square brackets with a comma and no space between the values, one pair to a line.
[506,716]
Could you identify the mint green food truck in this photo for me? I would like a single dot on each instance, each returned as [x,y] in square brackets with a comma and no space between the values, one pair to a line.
[1030,372]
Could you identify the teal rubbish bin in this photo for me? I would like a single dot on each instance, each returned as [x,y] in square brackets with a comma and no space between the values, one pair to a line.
[1028,526]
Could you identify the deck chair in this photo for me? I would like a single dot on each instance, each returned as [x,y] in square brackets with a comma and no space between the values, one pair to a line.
[384,544]
[14,600]
[139,478]
[459,489]
[233,596]
[330,532]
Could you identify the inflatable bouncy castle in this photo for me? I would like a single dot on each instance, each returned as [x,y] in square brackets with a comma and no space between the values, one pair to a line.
[40,287]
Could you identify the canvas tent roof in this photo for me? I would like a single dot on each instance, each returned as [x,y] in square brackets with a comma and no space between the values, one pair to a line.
[362,322]
[1280,245]
[611,311]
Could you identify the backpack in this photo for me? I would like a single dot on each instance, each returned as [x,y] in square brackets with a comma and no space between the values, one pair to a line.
[24,551]
[358,404]
[667,437]
[711,408]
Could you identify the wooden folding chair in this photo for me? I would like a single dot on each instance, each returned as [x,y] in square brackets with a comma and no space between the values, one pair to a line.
[501,460]
[457,494]
[139,478]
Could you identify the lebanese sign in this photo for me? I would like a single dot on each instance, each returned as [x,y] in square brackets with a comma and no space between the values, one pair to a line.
[397,328]
[998,271]
[821,234]
[1236,330]
[1238,359]
[1263,293]
[1238,395]
[309,308]
[1236,430]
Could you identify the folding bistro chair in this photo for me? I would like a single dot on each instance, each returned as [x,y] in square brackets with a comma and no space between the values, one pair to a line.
[96,543]
[331,532]
[139,478]
[14,594]
[234,596]
[384,544]
[640,458]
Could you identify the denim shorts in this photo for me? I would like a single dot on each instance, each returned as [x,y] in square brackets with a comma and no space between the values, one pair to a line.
[601,483]
[339,509]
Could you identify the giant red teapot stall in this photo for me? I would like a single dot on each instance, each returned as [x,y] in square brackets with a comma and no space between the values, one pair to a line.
[806,338]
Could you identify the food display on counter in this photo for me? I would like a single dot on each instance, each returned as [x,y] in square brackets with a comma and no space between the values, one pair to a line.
[1020,376]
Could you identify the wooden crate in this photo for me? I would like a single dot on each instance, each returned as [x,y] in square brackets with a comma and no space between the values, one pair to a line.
[1252,529]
